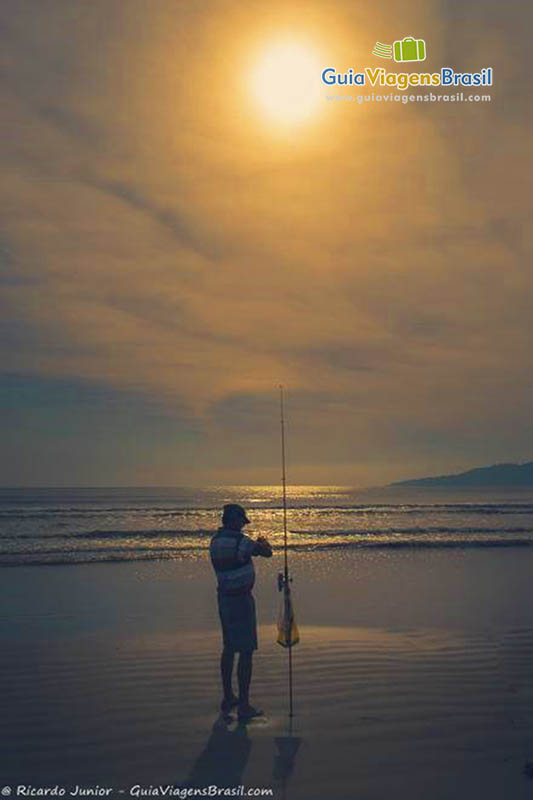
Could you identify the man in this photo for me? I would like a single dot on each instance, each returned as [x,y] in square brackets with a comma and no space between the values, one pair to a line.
[231,554]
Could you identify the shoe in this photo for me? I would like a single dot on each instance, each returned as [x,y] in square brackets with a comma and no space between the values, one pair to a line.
[246,713]
[226,706]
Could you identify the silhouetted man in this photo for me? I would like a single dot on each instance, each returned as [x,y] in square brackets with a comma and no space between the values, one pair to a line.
[231,554]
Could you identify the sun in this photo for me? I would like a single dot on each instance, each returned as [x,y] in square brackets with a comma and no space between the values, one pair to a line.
[285,82]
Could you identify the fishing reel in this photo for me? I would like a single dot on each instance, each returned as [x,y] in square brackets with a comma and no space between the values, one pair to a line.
[282,581]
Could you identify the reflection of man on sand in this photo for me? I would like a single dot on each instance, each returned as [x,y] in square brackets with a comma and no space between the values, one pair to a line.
[231,554]
[223,760]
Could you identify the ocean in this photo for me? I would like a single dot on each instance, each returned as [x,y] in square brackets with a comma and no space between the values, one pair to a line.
[84,525]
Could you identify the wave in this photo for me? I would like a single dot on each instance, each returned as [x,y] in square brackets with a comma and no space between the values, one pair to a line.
[114,555]
[427,530]
[442,544]
[156,511]
[116,534]
[69,562]
[318,510]
[423,508]
[169,533]
[107,551]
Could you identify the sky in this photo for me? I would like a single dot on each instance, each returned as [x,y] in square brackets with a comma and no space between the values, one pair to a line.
[171,250]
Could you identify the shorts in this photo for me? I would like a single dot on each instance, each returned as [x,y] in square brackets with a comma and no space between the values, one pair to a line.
[239,626]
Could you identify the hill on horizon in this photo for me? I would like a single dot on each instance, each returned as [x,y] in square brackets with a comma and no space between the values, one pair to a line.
[495,475]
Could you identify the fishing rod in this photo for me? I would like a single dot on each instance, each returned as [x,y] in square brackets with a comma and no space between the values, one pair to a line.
[284,483]
[287,631]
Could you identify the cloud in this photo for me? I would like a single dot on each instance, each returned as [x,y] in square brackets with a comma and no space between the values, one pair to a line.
[159,239]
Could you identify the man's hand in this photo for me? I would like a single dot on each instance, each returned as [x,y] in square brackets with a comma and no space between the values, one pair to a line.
[262,547]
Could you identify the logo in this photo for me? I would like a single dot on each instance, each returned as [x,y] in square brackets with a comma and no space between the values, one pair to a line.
[406,49]
[382,50]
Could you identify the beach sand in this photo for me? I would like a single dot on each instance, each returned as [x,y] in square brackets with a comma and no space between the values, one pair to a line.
[412,678]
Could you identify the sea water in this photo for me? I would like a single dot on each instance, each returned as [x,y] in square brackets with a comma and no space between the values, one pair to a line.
[72,526]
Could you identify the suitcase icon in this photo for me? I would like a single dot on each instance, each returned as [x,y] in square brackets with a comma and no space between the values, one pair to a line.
[409,49]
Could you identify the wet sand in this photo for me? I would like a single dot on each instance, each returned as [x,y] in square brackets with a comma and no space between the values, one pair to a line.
[412,678]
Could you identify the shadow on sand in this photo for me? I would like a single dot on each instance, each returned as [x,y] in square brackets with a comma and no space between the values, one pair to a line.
[223,760]
[284,760]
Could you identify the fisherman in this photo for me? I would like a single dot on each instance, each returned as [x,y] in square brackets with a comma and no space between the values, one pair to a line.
[231,554]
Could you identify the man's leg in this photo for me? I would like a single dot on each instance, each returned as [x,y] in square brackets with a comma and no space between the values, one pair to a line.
[244,675]
[226,670]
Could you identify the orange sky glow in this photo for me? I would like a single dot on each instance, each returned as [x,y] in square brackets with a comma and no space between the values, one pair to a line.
[183,232]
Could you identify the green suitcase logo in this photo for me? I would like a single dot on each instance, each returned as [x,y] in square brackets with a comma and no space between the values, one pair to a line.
[409,49]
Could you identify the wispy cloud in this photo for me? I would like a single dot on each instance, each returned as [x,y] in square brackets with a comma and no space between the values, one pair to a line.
[157,240]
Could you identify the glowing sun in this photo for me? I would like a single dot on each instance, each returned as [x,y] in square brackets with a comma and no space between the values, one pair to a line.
[285,82]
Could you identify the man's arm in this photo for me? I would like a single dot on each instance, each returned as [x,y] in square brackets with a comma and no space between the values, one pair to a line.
[262,547]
